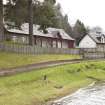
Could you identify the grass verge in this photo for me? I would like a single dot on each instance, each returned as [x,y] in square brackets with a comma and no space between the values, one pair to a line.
[8,60]
[34,89]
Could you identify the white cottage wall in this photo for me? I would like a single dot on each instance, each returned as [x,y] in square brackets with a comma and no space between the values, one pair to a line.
[59,44]
[64,44]
[87,42]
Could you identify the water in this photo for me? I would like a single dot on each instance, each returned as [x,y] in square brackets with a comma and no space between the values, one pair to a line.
[92,95]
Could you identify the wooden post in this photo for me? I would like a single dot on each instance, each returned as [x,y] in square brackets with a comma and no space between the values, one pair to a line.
[1,21]
[61,44]
[45,77]
[51,43]
[41,42]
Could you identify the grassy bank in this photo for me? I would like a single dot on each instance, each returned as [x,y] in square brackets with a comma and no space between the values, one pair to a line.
[8,60]
[31,88]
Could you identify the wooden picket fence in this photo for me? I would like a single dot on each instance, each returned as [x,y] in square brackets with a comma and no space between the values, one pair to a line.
[86,53]
[26,49]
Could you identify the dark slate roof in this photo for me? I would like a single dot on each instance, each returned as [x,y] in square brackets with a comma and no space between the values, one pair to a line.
[96,37]
[51,31]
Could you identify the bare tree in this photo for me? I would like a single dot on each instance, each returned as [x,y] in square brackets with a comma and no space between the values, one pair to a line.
[1,21]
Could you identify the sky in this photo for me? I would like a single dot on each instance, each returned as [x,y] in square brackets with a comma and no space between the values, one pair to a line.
[90,12]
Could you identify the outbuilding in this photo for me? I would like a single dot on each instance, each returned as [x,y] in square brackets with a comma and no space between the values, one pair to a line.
[93,40]
[56,38]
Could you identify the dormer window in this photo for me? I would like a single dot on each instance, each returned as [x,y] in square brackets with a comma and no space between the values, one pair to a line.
[59,35]
[98,32]
[102,39]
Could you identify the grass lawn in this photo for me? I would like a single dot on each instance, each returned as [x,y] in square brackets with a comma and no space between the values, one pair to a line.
[8,60]
[31,88]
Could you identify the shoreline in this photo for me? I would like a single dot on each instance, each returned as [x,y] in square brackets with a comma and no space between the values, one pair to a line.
[58,101]
[61,81]
[71,94]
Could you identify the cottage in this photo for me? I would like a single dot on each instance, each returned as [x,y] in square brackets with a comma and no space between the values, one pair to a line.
[56,38]
[93,40]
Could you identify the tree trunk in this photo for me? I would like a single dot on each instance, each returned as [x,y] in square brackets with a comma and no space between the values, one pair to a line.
[31,37]
[1,21]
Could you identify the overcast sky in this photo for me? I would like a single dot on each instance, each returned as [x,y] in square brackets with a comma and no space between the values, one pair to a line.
[91,12]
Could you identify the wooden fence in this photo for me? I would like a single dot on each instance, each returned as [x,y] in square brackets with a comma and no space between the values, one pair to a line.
[26,49]
[90,53]
[93,53]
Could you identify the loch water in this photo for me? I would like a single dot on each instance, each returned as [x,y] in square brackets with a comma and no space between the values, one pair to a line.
[91,95]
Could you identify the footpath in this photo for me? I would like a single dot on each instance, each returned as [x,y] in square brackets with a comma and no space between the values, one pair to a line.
[40,66]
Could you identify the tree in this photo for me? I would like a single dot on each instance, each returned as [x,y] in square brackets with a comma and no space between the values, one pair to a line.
[1,21]
[96,29]
[62,20]
[17,12]
[31,38]
[66,25]
[48,15]
[51,1]
[44,13]
[79,31]
[20,11]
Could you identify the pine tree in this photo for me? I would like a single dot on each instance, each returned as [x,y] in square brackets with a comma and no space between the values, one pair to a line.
[17,12]
[63,22]
[43,13]
[79,30]
[51,1]
[66,25]
[46,14]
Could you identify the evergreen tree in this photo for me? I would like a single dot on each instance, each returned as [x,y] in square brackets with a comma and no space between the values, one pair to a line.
[96,29]
[45,15]
[17,12]
[79,31]
[20,11]
[63,22]
[51,1]
[66,25]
